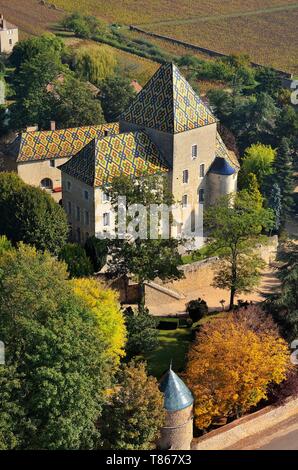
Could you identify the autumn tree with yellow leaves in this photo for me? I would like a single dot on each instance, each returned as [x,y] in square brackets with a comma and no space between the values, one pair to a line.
[106,308]
[231,365]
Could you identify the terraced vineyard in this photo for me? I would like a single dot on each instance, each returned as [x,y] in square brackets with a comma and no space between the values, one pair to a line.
[265,29]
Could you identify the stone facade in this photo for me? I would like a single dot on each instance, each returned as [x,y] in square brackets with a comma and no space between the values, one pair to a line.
[177,432]
[9,36]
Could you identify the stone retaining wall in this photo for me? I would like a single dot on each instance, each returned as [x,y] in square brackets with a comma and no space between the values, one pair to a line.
[247,426]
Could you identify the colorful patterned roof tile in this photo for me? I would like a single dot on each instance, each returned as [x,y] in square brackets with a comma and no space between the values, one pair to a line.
[131,153]
[223,152]
[46,145]
[168,103]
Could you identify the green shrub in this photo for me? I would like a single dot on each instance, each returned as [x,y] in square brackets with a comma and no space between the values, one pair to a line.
[197,309]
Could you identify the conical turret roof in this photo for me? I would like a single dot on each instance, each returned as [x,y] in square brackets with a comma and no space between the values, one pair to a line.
[176,394]
[221,167]
[168,103]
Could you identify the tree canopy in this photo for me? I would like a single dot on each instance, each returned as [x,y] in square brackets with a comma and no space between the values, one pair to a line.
[31,215]
[135,414]
[231,365]
[56,368]
[235,223]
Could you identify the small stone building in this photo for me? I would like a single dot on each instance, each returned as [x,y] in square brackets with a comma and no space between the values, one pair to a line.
[177,432]
[9,36]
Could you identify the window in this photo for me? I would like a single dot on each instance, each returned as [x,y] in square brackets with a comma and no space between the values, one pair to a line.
[78,235]
[86,195]
[105,197]
[202,170]
[87,218]
[69,207]
[185,176]
[46,183]
[201,196]
[78,214]
[184,200]
[52,163]
[68,185]
[106,219]
[194,151]
[10,42]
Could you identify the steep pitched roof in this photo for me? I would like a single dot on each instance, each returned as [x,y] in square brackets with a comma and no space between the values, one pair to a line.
[168,103]
[223,152]
[131,153]
[176,394]
[46,145]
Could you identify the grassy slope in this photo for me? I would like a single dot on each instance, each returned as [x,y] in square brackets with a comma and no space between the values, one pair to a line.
[173,346]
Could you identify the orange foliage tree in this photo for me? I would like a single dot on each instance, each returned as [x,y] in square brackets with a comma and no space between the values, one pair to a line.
[231,365]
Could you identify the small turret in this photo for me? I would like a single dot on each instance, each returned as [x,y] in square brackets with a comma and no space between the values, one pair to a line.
[177,432]
[221,180]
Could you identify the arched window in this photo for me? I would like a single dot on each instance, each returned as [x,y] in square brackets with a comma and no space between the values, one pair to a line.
[46,183]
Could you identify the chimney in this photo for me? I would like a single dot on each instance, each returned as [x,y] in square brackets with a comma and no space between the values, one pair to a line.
[53,125]
[32,128]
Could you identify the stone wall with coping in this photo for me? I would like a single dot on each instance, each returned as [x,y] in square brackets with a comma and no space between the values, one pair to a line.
[247,426]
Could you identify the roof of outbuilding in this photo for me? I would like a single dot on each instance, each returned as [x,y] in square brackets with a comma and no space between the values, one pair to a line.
[63,143]
[131,153]
[168,103]
[177,395]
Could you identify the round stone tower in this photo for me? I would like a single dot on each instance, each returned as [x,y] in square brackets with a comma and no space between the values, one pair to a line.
[221,180]
[177,432]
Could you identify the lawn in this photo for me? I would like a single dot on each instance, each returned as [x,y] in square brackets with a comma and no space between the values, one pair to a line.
[173,346]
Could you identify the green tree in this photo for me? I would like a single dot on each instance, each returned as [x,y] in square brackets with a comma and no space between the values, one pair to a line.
[142,255]
[142,333]
[30,215]
[135,414]
[95,63]
[56,370]
[275,203]
[29,48]
[249,182]
[284,177]
[254,120]
[259,159]
[74,104]
[235,224]
[116,95]
[268,81]
[97,251]
[78,263]
[34,105]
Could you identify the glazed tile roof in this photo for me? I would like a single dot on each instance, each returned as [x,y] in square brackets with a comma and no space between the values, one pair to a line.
[223,152]
[176,394]
[131,153]
[168,103]
[44,145]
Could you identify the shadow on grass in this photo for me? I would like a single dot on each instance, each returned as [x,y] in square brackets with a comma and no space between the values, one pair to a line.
[173,346]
